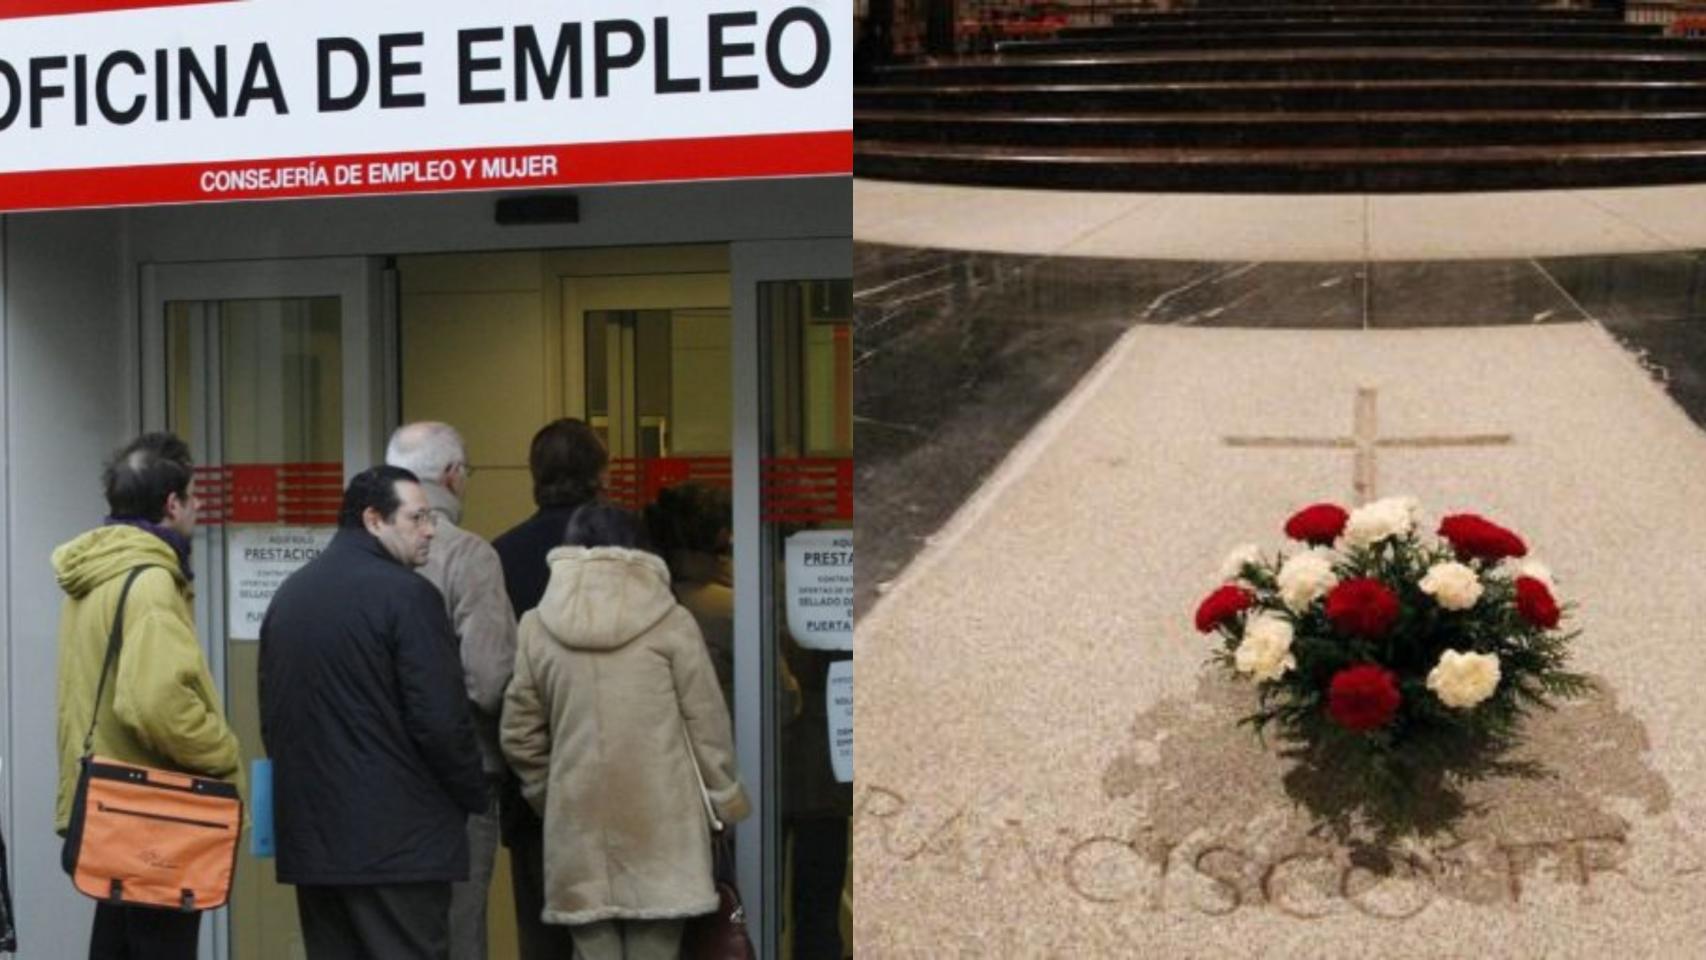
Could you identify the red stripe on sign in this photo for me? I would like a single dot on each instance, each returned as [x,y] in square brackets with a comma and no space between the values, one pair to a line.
[828,153]
[16,9]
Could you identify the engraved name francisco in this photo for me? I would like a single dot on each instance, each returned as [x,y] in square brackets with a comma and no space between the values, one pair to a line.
[1194,816]
[1146,869]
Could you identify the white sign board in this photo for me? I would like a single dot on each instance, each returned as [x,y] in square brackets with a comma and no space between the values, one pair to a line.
[839,700]
[820,589]
[257,561]
[113,102]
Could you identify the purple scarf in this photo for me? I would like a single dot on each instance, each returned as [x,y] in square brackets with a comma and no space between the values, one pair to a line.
[179,543]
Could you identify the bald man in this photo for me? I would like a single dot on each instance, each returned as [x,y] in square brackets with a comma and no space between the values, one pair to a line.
[466,570]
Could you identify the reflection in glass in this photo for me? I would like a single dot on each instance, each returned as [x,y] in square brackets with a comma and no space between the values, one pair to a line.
[809,429]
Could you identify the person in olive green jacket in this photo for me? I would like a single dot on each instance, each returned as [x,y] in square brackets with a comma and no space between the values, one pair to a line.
[160,708]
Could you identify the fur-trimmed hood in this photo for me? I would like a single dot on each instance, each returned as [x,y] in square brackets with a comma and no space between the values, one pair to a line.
[600,598]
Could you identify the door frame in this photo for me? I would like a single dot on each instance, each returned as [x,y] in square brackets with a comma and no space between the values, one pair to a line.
[580,294]
[368,384]
[759,857]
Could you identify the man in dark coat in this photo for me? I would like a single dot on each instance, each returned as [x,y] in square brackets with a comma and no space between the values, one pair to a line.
[364,714]
[567,461]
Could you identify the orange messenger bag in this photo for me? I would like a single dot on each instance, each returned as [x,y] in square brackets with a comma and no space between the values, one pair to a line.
[146,837]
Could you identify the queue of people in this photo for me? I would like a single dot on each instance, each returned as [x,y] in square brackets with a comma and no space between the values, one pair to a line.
[424,694]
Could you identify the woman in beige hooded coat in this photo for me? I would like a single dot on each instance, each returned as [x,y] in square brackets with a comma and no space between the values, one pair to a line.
[613,698]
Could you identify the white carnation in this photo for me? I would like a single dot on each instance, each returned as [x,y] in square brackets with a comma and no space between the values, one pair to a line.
[1233,567]
[1265,651]
[1305,577]
[1463,680]
[1374,522]
[1453,585]
[1537,570]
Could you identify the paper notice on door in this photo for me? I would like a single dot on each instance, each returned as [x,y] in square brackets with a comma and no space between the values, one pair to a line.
[838,695]
[820,589]
[258,561]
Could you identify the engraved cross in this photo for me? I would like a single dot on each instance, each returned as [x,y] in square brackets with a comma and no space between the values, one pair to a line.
[1365,441]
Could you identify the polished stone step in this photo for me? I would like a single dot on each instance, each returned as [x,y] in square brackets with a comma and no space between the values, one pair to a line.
[1291,96]
[1336,39]
[1350,22]
[1289,170]
[1547,6]
[1343,65]
[1278,129]
[1371,11]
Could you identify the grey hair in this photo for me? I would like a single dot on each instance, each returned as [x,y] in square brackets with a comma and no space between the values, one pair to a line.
[426,449]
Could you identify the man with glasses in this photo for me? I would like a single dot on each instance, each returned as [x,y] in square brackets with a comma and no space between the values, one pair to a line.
[364,715]
[466,570]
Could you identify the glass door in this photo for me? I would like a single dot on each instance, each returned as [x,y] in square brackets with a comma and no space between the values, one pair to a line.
[793,543]
[270,372]
[653,357]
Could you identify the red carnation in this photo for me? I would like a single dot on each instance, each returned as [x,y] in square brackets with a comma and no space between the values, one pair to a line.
[1222,605]
[1535,603]
[1478,537]
[1363,697]
[1318,524]
[1363,606]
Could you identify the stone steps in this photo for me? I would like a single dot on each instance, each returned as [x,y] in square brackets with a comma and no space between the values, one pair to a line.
[1496,95]
[1546,96]
[1325,128]
[1247,12]
[1209,30]
[1289,169]
[1329,39]
[1350,65]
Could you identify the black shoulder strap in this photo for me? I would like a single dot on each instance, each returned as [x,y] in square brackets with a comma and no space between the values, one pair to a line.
[115,639]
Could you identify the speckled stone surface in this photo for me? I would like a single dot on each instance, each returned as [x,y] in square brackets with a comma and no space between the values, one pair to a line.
[1047,767]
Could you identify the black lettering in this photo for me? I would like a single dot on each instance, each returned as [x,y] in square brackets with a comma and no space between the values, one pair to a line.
[722,50]
[773,47]
[330,102]
[390,69]
[80,82]
[467,65]
[260,61]
[666,83]
[604,61]
[103,75]
[162,103]
[529,58]
[40,89]
[14,96]
[190,74]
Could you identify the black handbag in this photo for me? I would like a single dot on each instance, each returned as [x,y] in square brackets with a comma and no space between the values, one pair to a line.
[720,934]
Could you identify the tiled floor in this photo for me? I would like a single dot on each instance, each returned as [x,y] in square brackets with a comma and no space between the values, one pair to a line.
[960,354]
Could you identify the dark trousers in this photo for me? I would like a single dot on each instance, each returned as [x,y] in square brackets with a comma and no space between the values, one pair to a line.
[143,933]
[820,865]
[524,834]
[405,921]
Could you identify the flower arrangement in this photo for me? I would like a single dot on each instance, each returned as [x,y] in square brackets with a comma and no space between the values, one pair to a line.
[1390,658]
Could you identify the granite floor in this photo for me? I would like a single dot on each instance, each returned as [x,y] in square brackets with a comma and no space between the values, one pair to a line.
[960,354]
[1049,768]
[1318,227]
